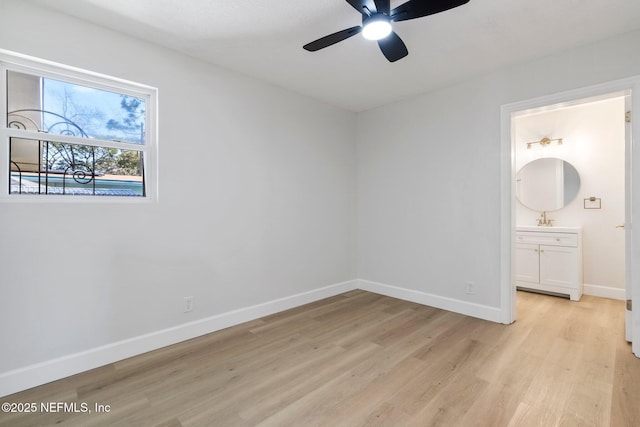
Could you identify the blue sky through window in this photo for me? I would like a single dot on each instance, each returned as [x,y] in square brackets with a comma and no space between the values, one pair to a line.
[99,113]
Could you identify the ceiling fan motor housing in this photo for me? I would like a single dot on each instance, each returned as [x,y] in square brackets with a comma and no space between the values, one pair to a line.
[376,26]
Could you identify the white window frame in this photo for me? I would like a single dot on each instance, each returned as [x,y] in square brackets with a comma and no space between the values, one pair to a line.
[11,61]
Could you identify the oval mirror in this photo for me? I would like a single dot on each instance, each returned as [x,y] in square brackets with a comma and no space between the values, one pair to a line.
[547,184]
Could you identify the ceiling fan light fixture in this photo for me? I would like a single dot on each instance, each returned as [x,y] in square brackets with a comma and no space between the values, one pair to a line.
[377,16]
[376,27]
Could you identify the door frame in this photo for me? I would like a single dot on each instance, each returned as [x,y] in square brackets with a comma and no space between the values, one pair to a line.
[630,86]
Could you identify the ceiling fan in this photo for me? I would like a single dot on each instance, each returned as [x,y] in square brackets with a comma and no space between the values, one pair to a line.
[376,23]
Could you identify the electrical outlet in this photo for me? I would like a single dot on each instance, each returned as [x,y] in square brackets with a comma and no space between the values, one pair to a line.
[188,304]
[470,288]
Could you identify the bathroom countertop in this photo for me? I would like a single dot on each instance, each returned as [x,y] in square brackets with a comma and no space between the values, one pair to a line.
[549,229]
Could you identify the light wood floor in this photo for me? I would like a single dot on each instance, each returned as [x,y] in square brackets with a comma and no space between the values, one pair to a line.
[361,359]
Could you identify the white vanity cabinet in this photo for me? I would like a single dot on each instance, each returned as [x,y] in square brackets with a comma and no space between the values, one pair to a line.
[549,260]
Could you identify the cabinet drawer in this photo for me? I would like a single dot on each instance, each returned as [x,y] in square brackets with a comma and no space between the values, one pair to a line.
[544,238]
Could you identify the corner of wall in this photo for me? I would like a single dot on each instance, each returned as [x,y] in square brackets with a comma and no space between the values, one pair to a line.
[480,311]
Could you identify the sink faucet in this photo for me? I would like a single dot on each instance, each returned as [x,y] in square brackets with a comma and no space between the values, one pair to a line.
[543,221]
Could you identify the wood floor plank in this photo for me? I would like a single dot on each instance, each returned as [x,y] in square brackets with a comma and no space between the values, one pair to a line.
[386,415]
[277,396]
[451,403]
[500,401]
[625,407]
[363,359]
[370,403]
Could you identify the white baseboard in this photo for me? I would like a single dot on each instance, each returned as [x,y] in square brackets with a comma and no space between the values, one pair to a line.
[604,292]
[51,370]
[449,304]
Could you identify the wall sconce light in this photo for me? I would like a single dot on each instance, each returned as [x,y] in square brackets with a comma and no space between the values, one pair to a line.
[544,142]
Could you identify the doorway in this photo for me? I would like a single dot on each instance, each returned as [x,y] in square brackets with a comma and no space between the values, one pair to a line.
[510,115]
[570,164]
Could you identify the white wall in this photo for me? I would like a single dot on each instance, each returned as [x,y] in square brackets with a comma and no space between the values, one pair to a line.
[256,203]
[429,172]
[593,142]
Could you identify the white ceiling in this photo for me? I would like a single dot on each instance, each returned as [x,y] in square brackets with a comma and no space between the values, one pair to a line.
[264,39]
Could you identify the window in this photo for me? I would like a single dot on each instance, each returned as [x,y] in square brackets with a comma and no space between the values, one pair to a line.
[68,132]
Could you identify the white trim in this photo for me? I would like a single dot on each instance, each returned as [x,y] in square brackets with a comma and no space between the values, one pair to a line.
[507,290]
[90,142]
[463,307]
[634,217]
[507,220]
[604,291]
[51,370]
[31,64]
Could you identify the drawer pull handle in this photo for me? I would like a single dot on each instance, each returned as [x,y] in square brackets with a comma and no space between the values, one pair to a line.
[557,239]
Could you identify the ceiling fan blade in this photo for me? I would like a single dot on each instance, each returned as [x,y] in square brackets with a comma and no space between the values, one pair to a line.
[362,5]
[419,8]
[383,6]
[334,38]
[393,47]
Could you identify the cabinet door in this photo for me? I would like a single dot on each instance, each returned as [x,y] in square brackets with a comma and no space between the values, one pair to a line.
[558,266]
[527,263]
